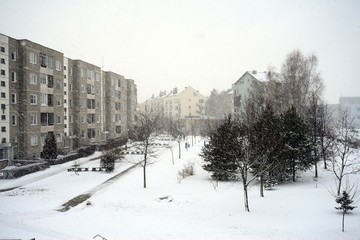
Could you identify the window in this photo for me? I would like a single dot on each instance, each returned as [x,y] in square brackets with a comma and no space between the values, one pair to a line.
[118,129]
[43,60]
[58,119]
[82,88]
[13,98]
[14,139]
[13,56]
[3,95]
[70,87]
[58,65]
[88,89]
[50,62]
[32,58]
[34,140]
[2,60]
[43,79]
[50,100]
[58,101]
[58,137]
[33,99]
[33,119]
[91,118]
[43,99]
[2,49]
[91,103]
[47,119]
[2,72]
[58,84]
[33,78]
[14,120]
[13,76]
[91,133]
[3,84]
[50,81]
[3,117]
[3,129]
[3,140]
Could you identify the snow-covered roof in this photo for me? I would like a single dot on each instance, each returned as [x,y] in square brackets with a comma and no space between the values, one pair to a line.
[260,76]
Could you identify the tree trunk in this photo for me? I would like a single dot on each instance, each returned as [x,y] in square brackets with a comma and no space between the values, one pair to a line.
[262,185]
[293,173]
[316,169]
[339,186]
[246,198]
[179,150]
[172,155]
[343,221]
[144,171]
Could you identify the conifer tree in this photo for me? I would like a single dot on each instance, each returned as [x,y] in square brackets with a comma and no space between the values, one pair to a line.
[267,141]
[217,155]
[345,201]
[50,148]
[296,154]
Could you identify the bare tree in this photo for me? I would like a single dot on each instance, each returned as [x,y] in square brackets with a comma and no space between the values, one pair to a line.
[145,130]
[299,78]
[176,130]
[326,132]
[343,160]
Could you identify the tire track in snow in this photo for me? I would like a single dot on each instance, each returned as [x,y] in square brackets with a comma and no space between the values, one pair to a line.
[85,196]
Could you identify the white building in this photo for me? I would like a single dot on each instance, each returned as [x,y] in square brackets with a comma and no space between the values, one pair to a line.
[243,87]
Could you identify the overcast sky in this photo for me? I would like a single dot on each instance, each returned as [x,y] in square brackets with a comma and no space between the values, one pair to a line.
[207,44]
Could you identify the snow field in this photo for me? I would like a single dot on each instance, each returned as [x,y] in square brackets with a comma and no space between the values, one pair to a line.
[195,209]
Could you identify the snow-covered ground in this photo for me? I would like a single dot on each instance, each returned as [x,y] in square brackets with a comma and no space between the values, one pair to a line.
[195,207]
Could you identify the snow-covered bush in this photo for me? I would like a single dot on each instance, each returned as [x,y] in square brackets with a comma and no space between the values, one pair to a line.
[188,170]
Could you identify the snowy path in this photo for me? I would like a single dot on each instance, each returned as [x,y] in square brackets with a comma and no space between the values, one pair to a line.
[10,184]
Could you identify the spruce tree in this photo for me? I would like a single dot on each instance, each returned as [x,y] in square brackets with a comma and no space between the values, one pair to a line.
[50,148]
[218,153]
[267,141]
[345,201]
[296,153]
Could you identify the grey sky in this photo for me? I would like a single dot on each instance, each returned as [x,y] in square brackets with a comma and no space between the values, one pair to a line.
[207,44]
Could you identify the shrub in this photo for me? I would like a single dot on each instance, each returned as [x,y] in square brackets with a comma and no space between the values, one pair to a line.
[188,170]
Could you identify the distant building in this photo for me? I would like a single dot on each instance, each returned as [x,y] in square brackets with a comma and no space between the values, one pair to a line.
[43,92]
[352,104]
[189,103]
[243,87]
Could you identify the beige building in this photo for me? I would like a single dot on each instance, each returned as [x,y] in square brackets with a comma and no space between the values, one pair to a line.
[187,104]
[44,92]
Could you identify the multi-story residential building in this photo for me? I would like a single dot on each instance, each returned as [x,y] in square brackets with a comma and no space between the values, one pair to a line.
[352,104]
[188,103]
[43,92]
[243,87]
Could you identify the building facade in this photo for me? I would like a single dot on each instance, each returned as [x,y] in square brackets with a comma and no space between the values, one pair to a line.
[244,86]
[352,104]
[42,92]
[187,104]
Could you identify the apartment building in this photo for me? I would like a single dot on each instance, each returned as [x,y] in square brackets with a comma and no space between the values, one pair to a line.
[43,92]
[352,105]
[189,103]
[243,87]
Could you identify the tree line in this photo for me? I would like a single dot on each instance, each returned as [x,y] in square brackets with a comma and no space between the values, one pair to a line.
[285,128]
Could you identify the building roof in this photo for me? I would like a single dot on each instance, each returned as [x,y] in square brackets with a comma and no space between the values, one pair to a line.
[260,76]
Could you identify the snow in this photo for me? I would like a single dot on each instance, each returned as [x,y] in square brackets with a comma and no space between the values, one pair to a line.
[195,208]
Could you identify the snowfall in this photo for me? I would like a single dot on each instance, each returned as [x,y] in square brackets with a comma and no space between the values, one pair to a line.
[169,208]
